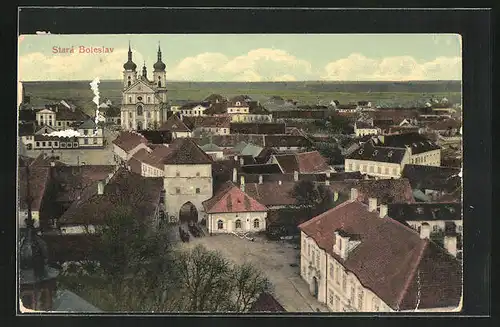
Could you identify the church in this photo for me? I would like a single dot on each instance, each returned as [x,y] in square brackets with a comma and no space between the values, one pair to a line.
[143,100]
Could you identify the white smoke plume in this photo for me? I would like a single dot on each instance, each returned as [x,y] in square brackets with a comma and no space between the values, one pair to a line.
[94,85]
[65,133]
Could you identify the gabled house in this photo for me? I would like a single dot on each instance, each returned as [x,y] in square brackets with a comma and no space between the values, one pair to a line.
[91,135]
[344,269]
[210,125]
[127,144]
[177,127]
[362,128]
[232,210]
[304,162]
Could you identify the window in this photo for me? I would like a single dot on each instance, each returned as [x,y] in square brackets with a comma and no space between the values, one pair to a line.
[43,143]
[58,123]
[330,297]
[220,224]
[344,281]
[63,145]
[85,141]
[177,174]
[70,145]
[237,224]
[129,98]
[149,99]
[139,110]
[386,170]
[56,143]
[317,259]
[198,174]
[256,223]
[337,271]
[308,250]
[148,114]
[331,270]
[177,190]
[130,116]
[435,228]
[372,169]
[197,190]
[95,140]
[353,292]
[379,170]
[37,143]
[459,228]
[375,304]
[75,144]
[360,299]
[85,132]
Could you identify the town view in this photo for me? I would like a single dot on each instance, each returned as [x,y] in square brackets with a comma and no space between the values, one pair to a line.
[225,173]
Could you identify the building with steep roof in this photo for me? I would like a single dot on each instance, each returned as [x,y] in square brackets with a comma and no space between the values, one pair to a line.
[143,100]
[304,162]
[357,258]
[232,210]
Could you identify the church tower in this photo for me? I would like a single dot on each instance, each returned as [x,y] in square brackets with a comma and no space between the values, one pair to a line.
[160,76]
[129,73]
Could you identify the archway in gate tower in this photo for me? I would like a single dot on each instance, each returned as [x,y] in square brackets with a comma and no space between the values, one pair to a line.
[188,213]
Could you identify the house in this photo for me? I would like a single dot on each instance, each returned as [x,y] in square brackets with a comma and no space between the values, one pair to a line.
[27,134]
[121,189]
[215,98]
[435,182]
[442,220]
[213,151]
[91,135]
[256,113]
[39,179]
[46,117]
[287,142]
[377,162]
[232,210]
[304,162]
[446,127]
[126,144]
[112,115]
[217,109]
[231,140]
[157,137]
[341,262]
[422,150]
[67,115]
[49,142]
[266,303]
[386,190]
[146,164]
[362,128]
[177,127]
[238,105]
[210,125]
[257,128]
[192,109]
[187,180]
[347,108]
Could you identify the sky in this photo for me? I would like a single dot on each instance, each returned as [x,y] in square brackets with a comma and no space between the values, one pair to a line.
[247,57]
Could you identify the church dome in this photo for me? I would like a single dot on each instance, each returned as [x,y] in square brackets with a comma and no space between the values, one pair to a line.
[159,66]
[130,65]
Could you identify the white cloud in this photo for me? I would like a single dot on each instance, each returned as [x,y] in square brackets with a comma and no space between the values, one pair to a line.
[358,67]
[257,65]
[37,66]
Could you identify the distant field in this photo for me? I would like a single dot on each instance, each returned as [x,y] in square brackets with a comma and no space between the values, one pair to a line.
[379,93]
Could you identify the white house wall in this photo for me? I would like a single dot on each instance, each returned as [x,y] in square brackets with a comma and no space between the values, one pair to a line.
[229,222]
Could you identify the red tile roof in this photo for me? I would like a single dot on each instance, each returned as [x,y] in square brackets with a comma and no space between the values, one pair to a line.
[272,193]
[129,140]
[391,260]
[140,194]
[385,190]
[229,198]
[305,162]
[39,179]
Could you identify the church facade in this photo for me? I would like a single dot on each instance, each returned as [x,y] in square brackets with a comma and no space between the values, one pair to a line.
[143,99]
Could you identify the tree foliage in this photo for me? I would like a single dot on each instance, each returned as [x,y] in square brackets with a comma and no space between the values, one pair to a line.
[139,270]
[311,194]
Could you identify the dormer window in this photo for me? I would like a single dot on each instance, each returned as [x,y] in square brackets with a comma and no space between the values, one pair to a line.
[238,103]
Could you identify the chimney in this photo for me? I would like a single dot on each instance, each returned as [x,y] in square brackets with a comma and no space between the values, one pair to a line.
[296,176]
[383,210]
[450,244]
[235,175]
[425,231]
[260,179]
[100,188]
[242,162]
[354,194]
[372,204]
[242,183]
